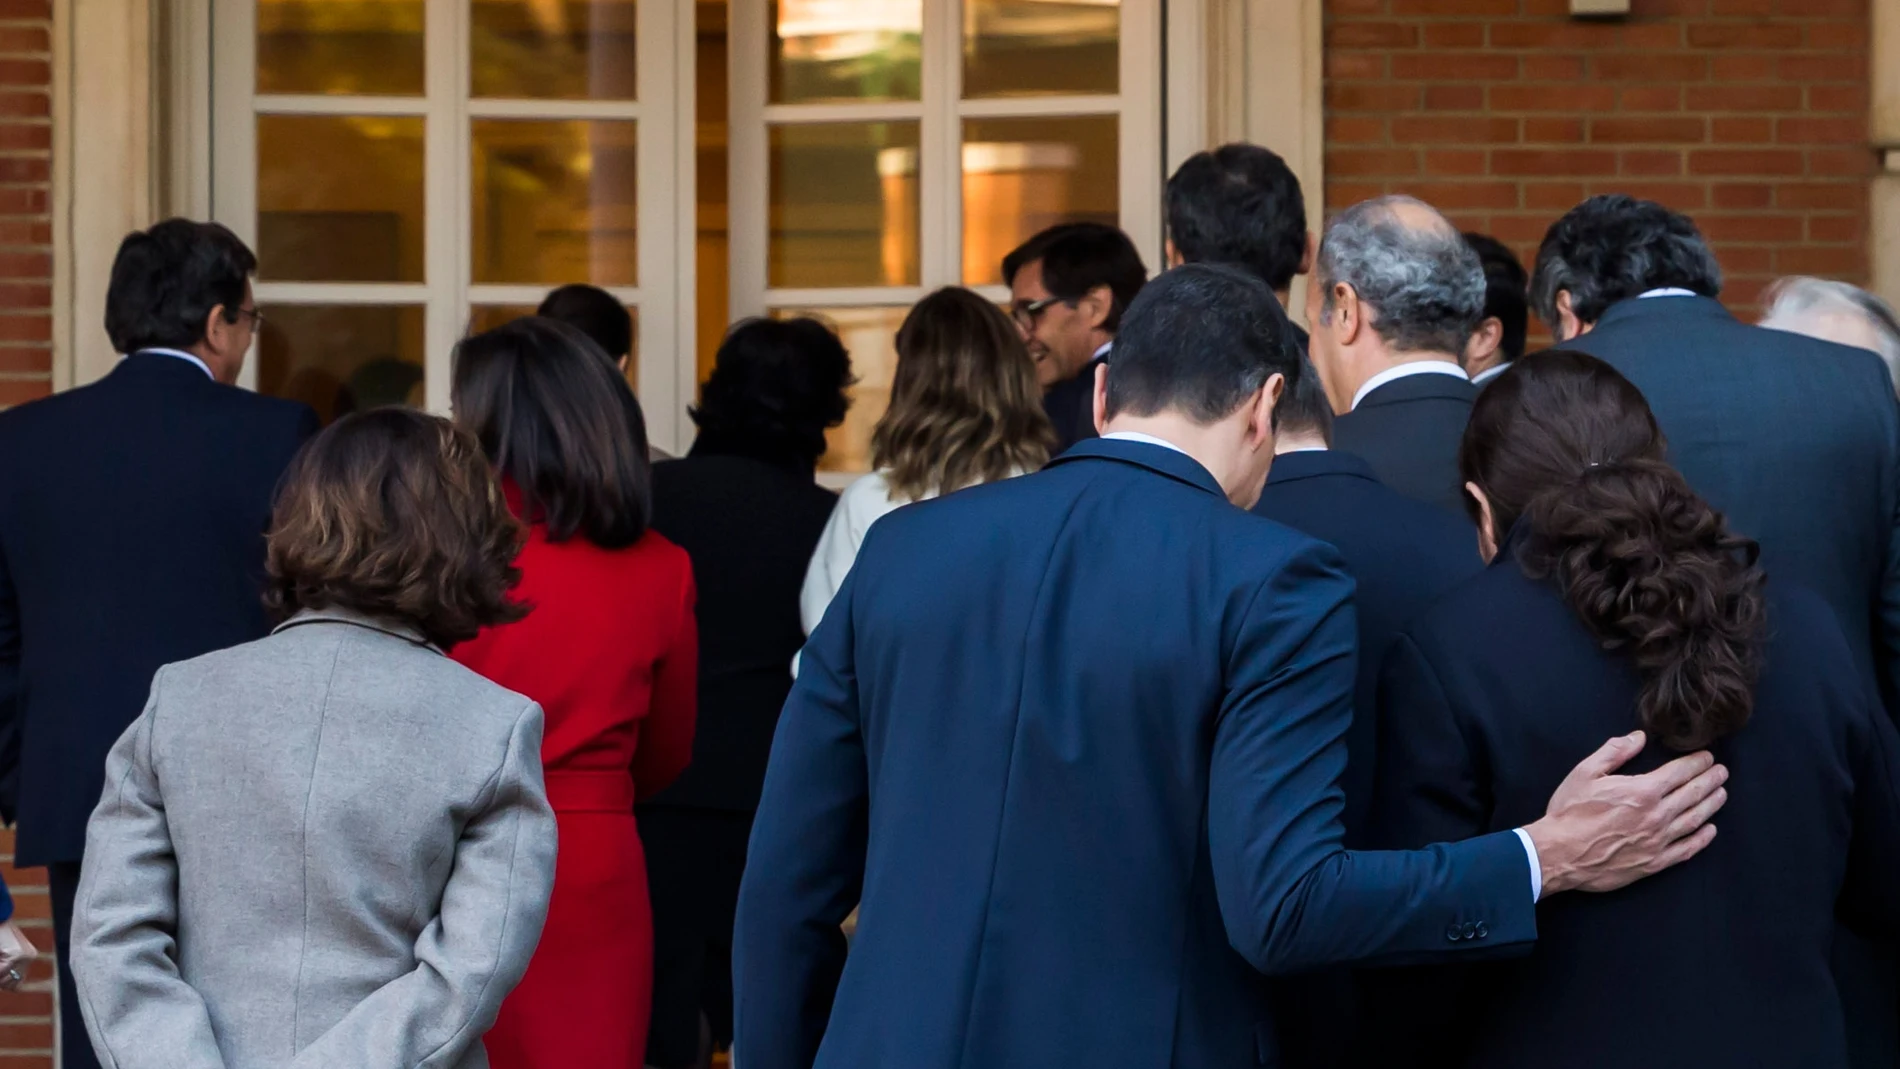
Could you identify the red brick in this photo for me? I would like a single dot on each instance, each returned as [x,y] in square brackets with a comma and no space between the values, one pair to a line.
[1742,195]
[26,265]
[1744,35]
[1552,162]
[25,105]
[1837,98]
[1372,97]
[1565,34]
[1355,130]
[1454,35]
[19,392]
[26,328]
[15,136]
[1454,196]
[1454,7]
[1433,129]
[1372,35]
[1738,258]
[27,39]
[1566,98]
[1842,162]
[1454,97]
[1716,161]
[1682,196]
[1743,7]
[25,72]
[1821,131]
[1360,163]
[35,361]
[1355,65]
[1551,67]
[1648,131]
[1744,97]
[1454,163]
[1346,194]
[1742,68]
[1819,69]
[1839,195]
[1680,67]
[1843,228]
[1838,36]
[1553,196]
[1650,98]
[1525,228]
[1455,66]
[1823,260]
[1562,131]
[26,9]
[1752,228]
[30,1003]
[1651,164]
[1745,131]
[17,169]
[25,232]
[23,1036]
[1355,7]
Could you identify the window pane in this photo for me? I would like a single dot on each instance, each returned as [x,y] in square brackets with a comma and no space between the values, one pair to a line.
[365,47]
[832,50]
[1020,175]
[553,202]
[843,205]
[340,359]
[339,198]
[1038,47]
[869,335]
[552,49]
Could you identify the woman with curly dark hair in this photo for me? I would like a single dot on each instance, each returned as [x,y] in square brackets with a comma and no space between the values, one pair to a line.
[1619,601]
[744,505]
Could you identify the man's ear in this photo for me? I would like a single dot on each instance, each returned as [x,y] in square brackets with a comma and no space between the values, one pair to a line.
[1096,305]
[1349,313]
[1171,254]
[1309,254]
[1101,398]
[1260,426]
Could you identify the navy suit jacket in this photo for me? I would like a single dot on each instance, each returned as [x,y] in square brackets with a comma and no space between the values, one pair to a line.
[1796,440]
[132,516]
[1409,430]
[1070,406]
[1074,741]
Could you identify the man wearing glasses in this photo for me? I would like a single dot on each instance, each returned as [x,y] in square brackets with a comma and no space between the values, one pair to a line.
[1068,287]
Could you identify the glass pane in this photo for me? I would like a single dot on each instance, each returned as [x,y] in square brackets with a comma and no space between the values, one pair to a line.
[552,49]
[340,359]
[1039,47]
[339,198]
[832,50]
[553,202]
[489,316]
[1020,175]
[843,205]
[870,336]
[363,47]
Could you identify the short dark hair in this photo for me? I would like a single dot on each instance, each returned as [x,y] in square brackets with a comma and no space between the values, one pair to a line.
[594,312]
[1613,247]
[1198,340]
[166,281]
[1076,258]
[1239,204]
[394,514]
[1506,291]
[561,426]
[775,387]
[1304,406]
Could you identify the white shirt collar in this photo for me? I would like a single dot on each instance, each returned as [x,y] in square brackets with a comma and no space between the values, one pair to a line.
[202,366]
[1401,371]
[1488,374]
[1137,436]
[1103,351]
[1667,291]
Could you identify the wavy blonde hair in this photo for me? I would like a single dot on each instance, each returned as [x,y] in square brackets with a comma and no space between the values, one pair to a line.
[965,407]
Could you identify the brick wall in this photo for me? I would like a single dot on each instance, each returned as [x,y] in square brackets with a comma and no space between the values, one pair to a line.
[1751,115]
[26,229]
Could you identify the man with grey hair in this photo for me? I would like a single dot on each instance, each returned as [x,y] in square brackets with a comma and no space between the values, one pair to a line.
[1837,312]
[1395,295]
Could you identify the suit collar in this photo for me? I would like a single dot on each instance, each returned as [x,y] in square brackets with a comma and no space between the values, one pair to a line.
[1706,309]
[150,362]
[1156,458]
[1418,388]
[1289,467]
[351,618]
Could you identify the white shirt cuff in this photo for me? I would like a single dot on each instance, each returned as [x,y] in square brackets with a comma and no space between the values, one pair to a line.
[1537,870]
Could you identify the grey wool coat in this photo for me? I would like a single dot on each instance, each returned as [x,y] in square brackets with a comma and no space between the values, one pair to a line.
[330,847]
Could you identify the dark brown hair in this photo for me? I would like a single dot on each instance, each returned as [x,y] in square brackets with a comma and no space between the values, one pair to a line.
[395,515]
[965,408]
[1567,450]
[561,425]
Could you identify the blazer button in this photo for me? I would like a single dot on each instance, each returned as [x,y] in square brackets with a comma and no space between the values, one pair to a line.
[1454,933]
[1471,931]
[1483,932]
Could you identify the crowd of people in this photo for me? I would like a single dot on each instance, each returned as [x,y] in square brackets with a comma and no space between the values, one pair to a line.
[504,739]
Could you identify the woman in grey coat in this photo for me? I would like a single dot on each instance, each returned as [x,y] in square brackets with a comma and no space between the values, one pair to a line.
[330,847]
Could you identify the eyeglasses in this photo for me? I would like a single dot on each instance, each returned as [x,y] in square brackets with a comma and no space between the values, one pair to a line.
[256,317]
[1025,315]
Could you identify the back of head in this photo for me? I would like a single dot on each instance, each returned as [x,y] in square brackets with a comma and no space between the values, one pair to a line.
[965,407]
[1199,341]
[1566,449]
[775,387]
[1506,292]
[1424,284]
[166,281]
[1304,412]
[395,515]
[561,424]
[594,312]
[1239,204]
[1614,247]
[1076,258]
[1835,311]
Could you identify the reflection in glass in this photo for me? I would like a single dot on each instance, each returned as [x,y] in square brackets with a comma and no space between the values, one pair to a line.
[1020,175]
[839,50]
[339,198]
[553,202]
[360,47]
[1040,47]
[843,209]
[552,49]
[870,336]
[340,359]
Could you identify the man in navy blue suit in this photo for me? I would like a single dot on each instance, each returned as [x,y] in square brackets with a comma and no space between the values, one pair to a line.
[132,516]
[1072,743]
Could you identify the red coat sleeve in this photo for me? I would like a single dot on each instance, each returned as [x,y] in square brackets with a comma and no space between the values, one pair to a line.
[666,736]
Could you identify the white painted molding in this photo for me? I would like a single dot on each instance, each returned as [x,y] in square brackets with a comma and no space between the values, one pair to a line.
[1884,192]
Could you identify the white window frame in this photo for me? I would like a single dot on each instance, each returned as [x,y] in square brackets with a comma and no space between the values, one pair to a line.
[665,184]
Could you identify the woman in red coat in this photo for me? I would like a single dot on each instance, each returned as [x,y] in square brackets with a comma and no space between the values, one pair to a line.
[609,650]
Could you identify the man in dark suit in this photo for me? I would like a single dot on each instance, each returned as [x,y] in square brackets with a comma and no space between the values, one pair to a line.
[1081,768]
[1396,296]
[131,535]
[1240,204]
[1795,440]
[1068,288]
[1500,336]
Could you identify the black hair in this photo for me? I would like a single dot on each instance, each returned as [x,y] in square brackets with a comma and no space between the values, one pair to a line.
[776,385]
[1506,292]
[1239,204]
[594,312]
[1199,340]
[1613,247]
[166,281]
[561,424]
[1076,258]
[1304,407]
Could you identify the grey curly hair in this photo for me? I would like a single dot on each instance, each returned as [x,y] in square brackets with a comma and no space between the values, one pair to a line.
[1424,284]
